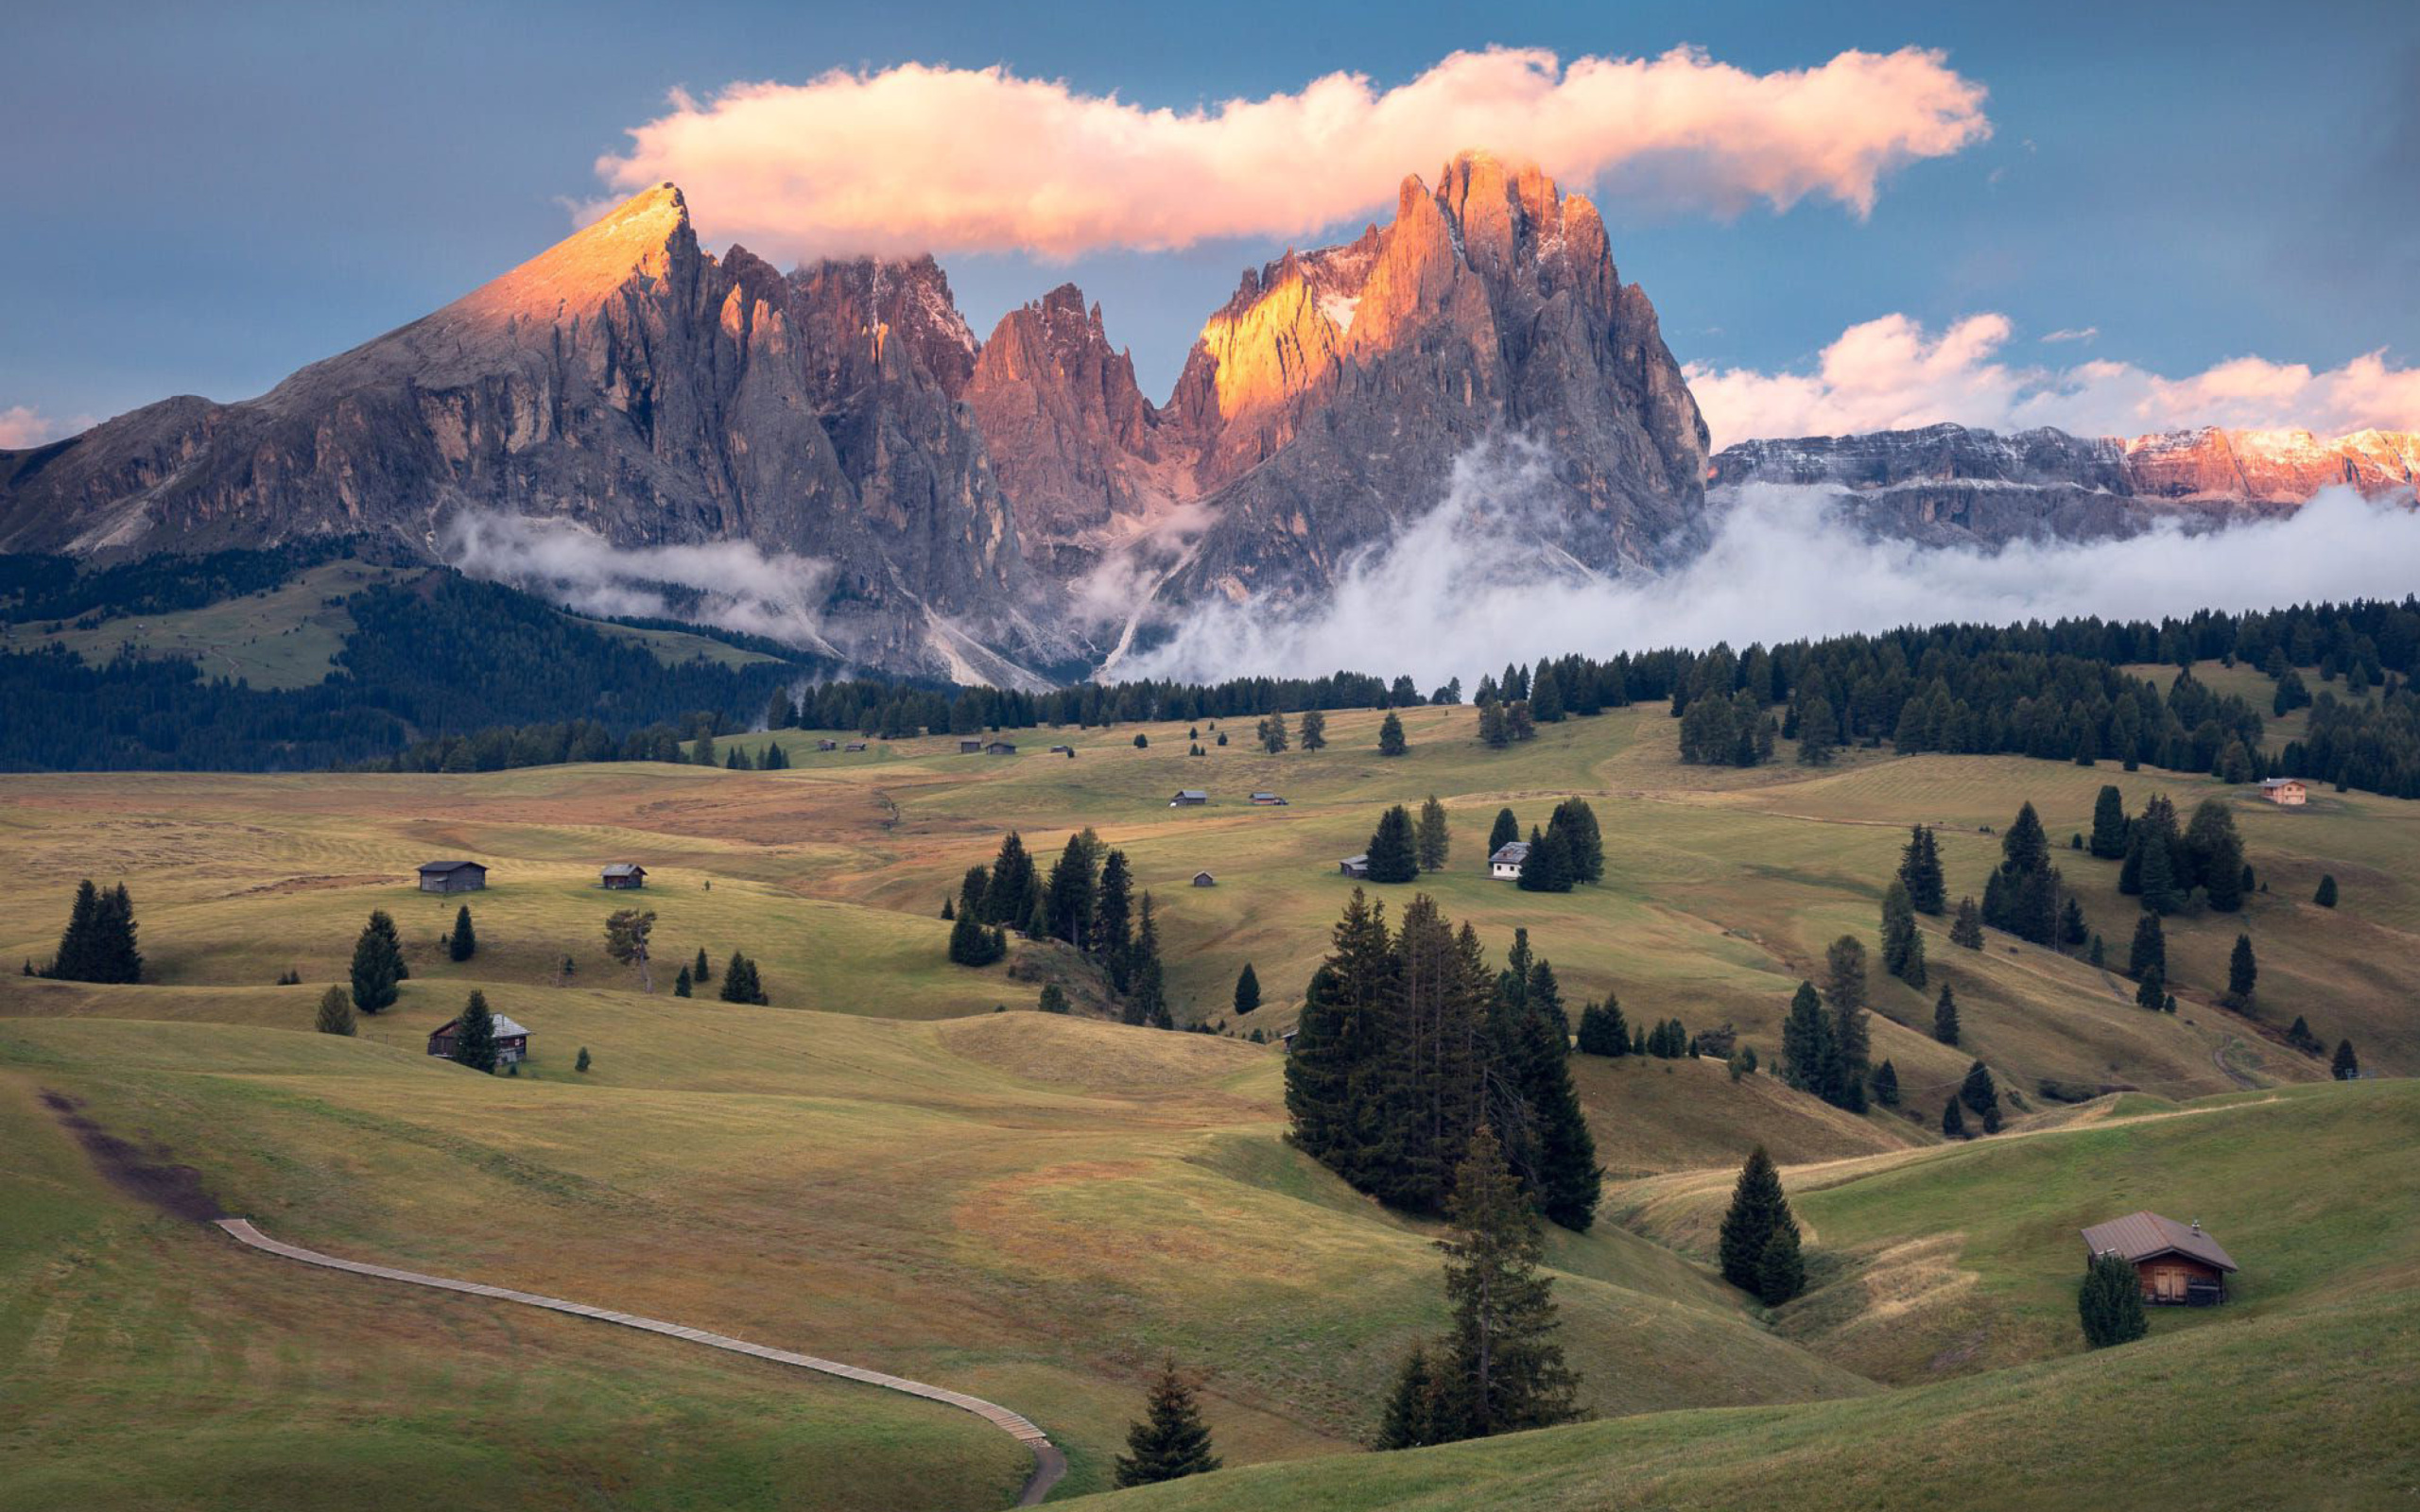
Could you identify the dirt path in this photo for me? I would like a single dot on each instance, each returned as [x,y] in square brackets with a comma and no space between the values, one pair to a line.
[1048,1463]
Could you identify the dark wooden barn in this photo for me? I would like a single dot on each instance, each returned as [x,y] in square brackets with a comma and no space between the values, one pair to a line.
[452,876]
[624,876]
[2178,1263]
[511,1040]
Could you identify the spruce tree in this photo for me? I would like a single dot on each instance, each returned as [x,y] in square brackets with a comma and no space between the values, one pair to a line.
[2347,1066]
[1979,1092]
[2151,991]
[1602,1030]
[969,943]
[1968,930]
[2244,974]
[377,966]
[681,985]
[1332,1086]
[1844,992]
[1414,1416]
[78,955]
[582,1063]
[740,983]
[1503,1372]
[463,942]
[2326,897]
[1390,741]
[1172,1441]
[1565,1180]
[1886,1085]
[474,1035]
[1953,1122]
[699,973]
[1903,945]
[2157,877]
[2110,1302]
[2073,931]
[1758,1209]
[1314,731]
[1807,1053]
[113,929]
[1113,919]
[1247,990]
[1393,855]
[1503,832]
[335,1012]
[1575,823]
[1780,1274]
[1547,867]
[1920,872]
[1432,838]
[1944,1016]
[627,933]
[2149,952]
[1053,999]
[2109,824]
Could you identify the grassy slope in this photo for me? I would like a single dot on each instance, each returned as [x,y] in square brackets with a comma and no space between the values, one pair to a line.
[284,636]
[2314,1191]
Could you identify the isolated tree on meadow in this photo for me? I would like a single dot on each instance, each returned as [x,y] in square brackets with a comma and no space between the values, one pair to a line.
[1313,734]
[1271,733]
[1920,872]
[1431,837]
[98,943]
[377,965]
[474,1035]
[1247,990]
[682,986]
[626,939]
[1172,1441]
[2110,1302]
[1903,944]
[699,973]
[1953,1121]
[1758,1210]
[335,1012]
[2326,897]
[2347,1066]
[1390,741]
[1886,1085]
[2244,974]
[463,941]
[582,1063]
[1944,1016]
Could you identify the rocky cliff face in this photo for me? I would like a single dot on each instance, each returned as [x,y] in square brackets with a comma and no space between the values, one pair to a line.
[1948,485]
[630,383]
[970,499]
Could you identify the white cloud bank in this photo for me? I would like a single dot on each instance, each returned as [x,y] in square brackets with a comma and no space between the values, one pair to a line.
[1893,374]
[21,425]
[917,158]
[1469,586]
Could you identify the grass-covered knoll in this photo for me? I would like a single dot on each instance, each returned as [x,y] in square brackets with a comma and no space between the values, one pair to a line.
[282,637]
[2312,1190]
[1028,1207]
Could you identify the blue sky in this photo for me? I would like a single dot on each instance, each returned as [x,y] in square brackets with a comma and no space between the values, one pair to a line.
[203,199]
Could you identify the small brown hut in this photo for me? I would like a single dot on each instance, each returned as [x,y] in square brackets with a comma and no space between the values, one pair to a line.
[452,876]
[2178,1263]
[624,876]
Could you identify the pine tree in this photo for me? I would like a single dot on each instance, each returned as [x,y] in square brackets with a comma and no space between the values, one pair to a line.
[463,942]
[1953,1122]
[1414,1408]
[1758,1210]
[474,1035]
[1053,999]
[1844,992]
[377,965]
[1979,1093]
[335,1012]
[1565,1178]
[1944,1016]
[1807,1053]
[1431,836]
[2326,897]
[1068,899]
[2347,1066]
[626,940]
[740,983]
[77,958]
[1247,990]
[1818,731]
[1920,870]
[1172,1441]
[2213,853]
[949,909]
[1331,1073]
[1602,1030]
[1314,731]
[1575,822]
[681,985]
[970,944]
[114,926]
[2110,1302]
[581,1064]
[1967,929]
[1272,733]
[1503,1371]
[2109,824]
[2151,991]
[1903,945]
[2157,877]
[1009,895]
[1503,832]
[1390,741]
[1393,855]
[2243,972]
[699,973]
[1547,867]
[1780,1273]
[2149,952]
[2073,931]
[1886,1085]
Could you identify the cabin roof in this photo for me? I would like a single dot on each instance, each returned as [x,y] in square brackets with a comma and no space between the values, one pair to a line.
[1191,792]
[439,868]
[2281,781]
[1361,860]
[2138,1236]
[505,1028]
[626,868]
[1510,854]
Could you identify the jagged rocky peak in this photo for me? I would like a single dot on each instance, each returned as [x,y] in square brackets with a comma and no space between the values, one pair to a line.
[900,309]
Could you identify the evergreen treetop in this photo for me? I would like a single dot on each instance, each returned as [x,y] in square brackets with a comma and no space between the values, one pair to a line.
[1172,1441]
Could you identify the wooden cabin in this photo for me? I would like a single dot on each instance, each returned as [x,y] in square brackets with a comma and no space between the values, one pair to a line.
[855,744]
[452,876]
[624,876]
[2288,791]
[1191,798]
[1269,801]
[2179,1265]
[968,747]
[1062,750]
[511,1040]
[1203,879]
[1505,866]
[1000,747]
[827,745]
[1356,866]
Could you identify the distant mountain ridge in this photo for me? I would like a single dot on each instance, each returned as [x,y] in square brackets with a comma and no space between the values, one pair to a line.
[964,494]
[1954,485]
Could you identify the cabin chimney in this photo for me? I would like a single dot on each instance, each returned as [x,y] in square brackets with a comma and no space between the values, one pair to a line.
[2197,1225]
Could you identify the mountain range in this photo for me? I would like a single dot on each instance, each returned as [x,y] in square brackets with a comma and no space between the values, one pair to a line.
[1015,509]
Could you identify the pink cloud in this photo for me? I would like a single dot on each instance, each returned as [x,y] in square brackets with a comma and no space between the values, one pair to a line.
[923,159]
[1891,374]
[21,425]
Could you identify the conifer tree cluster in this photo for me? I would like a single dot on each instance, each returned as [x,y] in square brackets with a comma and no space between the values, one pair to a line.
[1602,1029]
[740,982]
[1967,930]
[377,964]
[97,945]
[1088,901]
[1903,944]
[2021,895]
[1825,1046]
[2110,1302]
[1407,1042]
[1759,1240]
[1498,1368]
[1982,1096]
[2201,866]
[1920,872]
[2147,962]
